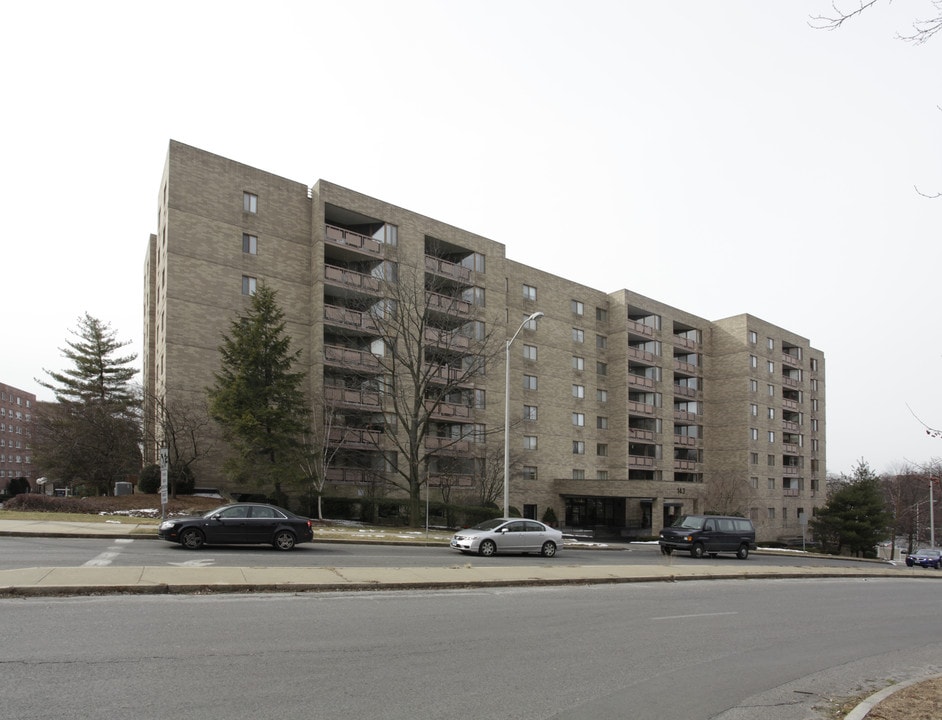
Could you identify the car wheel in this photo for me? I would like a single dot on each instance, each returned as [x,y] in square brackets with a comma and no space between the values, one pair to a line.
[909,563]
[666,550]
[743,552]
[712,555]
[284,540]
[696,551]
[487,548]
[192,539]
[548,549]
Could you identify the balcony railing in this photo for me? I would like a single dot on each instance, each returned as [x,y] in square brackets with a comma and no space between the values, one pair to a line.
[640,408]
[641,435]
[686,367]
[789,470]
[449,411]
[369,399]
[348,238]
[791,382]
[685,465]
[450,305]
[684,391]
[447,445]
[636,353]
[686,416]
[640,328]
[641,461]
[640,381]
[447,339]
[348,357]
[355,437]
[685,343]
[790,492]
[447,269]
[351,279]
[684,440]
[355,319]
[790,359]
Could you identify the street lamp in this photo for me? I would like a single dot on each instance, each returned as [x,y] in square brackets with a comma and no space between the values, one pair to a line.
[533,317]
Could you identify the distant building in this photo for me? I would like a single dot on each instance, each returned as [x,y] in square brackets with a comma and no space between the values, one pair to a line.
[624,412]
[16,417]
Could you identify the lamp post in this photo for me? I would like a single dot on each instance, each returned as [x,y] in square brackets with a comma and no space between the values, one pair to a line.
[532,317]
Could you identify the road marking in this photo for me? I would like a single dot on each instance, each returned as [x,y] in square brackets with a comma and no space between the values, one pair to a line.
[106,558]
[202,562]
[699,615]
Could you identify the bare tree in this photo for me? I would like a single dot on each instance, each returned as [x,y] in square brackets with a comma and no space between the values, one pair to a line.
[321,446]
[923,29]
[433,346]
[184,428]
[728,495]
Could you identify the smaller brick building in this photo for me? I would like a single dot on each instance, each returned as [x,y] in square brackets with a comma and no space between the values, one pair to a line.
[16,417]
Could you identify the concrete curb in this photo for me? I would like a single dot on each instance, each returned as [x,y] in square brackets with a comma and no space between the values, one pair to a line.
[863,709]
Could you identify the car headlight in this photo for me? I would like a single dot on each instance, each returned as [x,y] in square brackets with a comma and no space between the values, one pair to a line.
[166,525]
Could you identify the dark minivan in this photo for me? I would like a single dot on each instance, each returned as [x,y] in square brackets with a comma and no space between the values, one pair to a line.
[708,535]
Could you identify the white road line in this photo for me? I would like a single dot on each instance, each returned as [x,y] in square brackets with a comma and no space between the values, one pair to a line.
[106,558]
[700,615]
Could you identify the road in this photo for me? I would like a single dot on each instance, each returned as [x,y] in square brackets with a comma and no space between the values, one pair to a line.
[724,650]
[19,552]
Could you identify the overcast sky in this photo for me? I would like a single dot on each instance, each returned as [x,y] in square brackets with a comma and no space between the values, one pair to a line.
[691,143]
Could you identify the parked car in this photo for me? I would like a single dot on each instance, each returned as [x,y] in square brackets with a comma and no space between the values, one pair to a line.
[927,557]
[508,536]
[709,535]
[240,524]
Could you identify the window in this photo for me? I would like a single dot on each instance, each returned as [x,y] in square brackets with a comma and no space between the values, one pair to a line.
[529,352]
[249,244]
[577,307]
[771,483]
[601,315]
[754,385]
[529,472]
[601,449]
[529,442]
[249,202]
[578,363]
[601,423]
[770,513]
[771,344]
[814,364]
[601,342]
[754,409]
[753,361]
[754,483]
[529,292]
[529,324]
[770,461]
[601,396]
[578,474]
[771,436]
[601,368]
[529,382]
[578,419]
[753,433]
[771,390]
[602,475]
[753,337]
[771,367]
[771,413]
[578,447]
[578,335]
[814,405]
[249,285]
[578,391]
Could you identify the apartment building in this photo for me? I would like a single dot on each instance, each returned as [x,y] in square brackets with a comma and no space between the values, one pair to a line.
[16,415]
[624,412]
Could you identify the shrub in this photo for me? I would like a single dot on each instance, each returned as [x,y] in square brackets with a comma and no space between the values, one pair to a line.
[149,481]
[549,517]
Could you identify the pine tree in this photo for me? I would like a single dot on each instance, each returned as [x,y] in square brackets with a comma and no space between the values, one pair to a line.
[258,399]
[91,436]
[855,517]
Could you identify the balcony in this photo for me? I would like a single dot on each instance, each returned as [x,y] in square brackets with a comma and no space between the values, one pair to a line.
[791,382]
[685,367]
[641,435]
[447,269]
[685,465]
[347,238]
[349,397]
[790,470]
[355,438]
[789,426]
[640,408]
[351,280]
[685,343]
[350,476]
[361,360]
[449,411]
[636,353]
[685,416]
[791,360]
[352,319]
[447,445]
[448,304]
[789,404]
[639,381]
[685,440]
[641,461]
[684,391]
[447,339]
[790,492]
[640,328]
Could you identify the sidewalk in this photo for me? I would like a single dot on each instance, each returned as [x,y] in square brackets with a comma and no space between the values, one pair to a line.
[464,572]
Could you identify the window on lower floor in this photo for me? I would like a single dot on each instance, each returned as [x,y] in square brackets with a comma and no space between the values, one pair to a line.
[249,244]
[578,474]
[249,202]
[601,449]
[249,285]
[578,447]
[529,442]
[529,412]
[528,472]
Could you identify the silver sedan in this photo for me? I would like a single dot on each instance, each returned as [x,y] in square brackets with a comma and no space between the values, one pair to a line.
[508,535]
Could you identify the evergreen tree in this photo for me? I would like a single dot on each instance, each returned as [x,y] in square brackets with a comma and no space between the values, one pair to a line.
[258,399]
[855,517]
[91,436]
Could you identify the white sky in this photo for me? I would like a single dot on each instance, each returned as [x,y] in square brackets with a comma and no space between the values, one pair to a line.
[690,142]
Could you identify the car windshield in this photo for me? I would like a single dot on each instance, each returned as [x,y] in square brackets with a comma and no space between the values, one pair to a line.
[925,551]
[689,521]
[489,524]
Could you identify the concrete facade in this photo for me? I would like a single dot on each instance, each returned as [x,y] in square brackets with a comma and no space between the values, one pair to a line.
[624,411]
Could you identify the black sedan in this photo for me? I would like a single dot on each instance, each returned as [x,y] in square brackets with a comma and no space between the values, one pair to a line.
[927,557]
[239,524]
